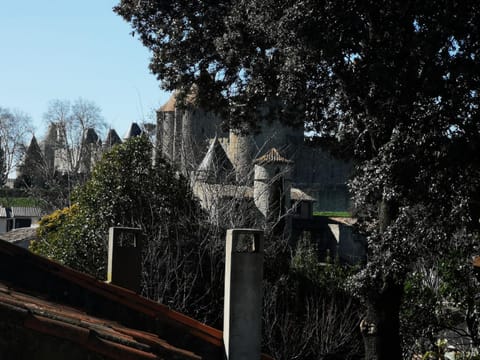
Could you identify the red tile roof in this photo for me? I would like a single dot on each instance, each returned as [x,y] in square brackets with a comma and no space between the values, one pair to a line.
[101,336]
[272,156]
[101,317]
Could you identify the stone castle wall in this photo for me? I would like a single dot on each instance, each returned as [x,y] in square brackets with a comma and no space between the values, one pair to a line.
[314,171]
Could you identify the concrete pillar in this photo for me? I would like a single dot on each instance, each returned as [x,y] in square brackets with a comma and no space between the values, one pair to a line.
[125,257]
[242,320]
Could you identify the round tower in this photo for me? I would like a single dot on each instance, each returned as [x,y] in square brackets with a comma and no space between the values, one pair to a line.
[271,190]
[166,128]
[177,137]
[188,155]
[241,149]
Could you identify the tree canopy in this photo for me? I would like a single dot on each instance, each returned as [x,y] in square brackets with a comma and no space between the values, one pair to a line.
[392,85]
[127,189]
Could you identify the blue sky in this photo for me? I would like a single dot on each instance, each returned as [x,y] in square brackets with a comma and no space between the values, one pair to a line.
[64,49]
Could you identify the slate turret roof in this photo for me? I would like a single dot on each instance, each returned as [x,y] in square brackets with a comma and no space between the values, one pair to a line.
[112,138]
[133,131]
[90,136]
[215,167]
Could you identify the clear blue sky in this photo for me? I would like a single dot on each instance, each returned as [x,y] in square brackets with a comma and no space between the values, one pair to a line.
[65,49]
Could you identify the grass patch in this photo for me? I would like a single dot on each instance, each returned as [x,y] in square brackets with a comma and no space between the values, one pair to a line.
[332,213]
[19,201]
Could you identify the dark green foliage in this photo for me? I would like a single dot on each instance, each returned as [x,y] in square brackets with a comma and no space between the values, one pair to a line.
[70,236]
[20,201]
[345,214]
[127,190]
[392,85]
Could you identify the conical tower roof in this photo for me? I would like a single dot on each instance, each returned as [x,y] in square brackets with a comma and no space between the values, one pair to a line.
[90,136]
[215,167]
[171,103]
[32,160]
[133,131]
[112,138]
[33,148]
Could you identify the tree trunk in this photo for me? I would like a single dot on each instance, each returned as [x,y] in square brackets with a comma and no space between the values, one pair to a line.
[381,326]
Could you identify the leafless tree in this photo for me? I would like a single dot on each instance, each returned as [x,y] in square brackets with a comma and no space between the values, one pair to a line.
[325,327]
[15,126]
[186,272]
[72,121]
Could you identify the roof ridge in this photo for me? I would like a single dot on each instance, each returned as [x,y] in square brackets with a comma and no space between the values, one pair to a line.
[272,156]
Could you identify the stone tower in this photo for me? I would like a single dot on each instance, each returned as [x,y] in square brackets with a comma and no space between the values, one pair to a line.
[184,134]
[49,146]
[90,148]
[169,129]
[241,150]
[271,190]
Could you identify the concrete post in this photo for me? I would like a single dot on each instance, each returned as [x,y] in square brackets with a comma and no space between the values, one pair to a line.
[125,257]
[242,323]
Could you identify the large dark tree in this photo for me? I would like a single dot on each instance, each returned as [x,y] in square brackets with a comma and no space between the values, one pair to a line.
[395,84]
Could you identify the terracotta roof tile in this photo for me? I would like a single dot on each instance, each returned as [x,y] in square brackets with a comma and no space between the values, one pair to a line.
[69,316]
[55,300]
[99,335]
[170,104]
[272,156]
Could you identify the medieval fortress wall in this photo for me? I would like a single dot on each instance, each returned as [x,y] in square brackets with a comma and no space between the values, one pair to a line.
[184,136]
